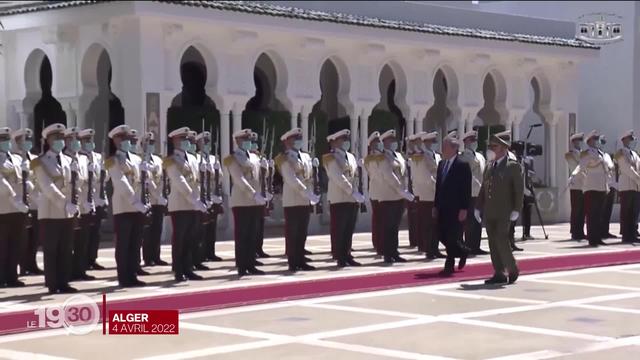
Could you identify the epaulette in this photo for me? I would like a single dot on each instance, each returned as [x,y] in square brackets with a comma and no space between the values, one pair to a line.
[110,162]
[619,154]
[416,157]
[584,153]
[228,160]
[568,155]
[327,158]
[373,158]
[167,161]
[35,163]
[280,159]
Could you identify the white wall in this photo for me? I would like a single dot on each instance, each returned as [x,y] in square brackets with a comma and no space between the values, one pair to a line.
[3,98]
[608,84]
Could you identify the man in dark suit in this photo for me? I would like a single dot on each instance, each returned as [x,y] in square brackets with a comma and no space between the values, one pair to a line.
[453,195]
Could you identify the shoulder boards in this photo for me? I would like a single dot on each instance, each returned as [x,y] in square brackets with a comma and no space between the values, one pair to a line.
[326,158]
[584,153]
[619,154]
[167,161]
[110,162]
[280,159]
[228,160]
[416,157]
[568,155]
[35,163]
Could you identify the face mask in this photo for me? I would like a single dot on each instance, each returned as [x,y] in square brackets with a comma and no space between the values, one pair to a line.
[192,148]
[346,145]
[89,146]
[393,146]
[5,146]
[254,146]
[246,145]
[599,144]
[632,144]
[491,155]
[27,145]
[74,145]
[185,145]
[577,145]
[379,146]
[472,146]
[426,147]
[297,144]
[57,145]
[150,148]
[207,148]
[125,145]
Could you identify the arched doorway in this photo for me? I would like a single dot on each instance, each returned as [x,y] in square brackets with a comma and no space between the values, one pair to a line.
[539,135]
[41,108]
[386,115]
[105,110]
[439,117]
[192,107]
[492,116]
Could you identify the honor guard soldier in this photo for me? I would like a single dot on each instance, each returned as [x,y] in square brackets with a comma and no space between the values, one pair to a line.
[57,210]
[246,201]
[371,166]
[153,232]
[392,169]
[343,195]
[296,168]
[629,186]
[499,202]
[577,197]
[81,235]
[135,157]
[611,195]
[185,205]
[23,140]
[414,147]
[129,212]
[13,211]
[424,173]
[97,196]
[198,246]
[260,233]
[473,229]
[594,173]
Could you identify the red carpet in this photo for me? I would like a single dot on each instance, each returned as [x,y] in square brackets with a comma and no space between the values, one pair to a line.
[223,298]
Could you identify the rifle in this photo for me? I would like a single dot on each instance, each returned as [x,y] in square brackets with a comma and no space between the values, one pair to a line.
[74,190]
[204,187]
[90,188]
[25,191]
[363,206]
[101,212]
[217,189]
[144,190]
[316,185]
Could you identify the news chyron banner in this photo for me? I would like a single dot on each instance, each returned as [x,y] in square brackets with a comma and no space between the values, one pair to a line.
[81,315]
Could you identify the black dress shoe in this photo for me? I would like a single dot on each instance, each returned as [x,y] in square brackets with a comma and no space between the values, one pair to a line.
[96,266]
[254,271]
[149,263]
[352,262]
[141,272]
[496,279]
[201,267]
[51,291]
[462,262]
[528,237]
[261,254]
[446,273]
[430,257]
[602,243]
[397,258]
[193,276]
[161,262]
[306,259]
[609,236]
[86,277]
[440,255]
[342,263]
[137,283]
[479,252]
[67,290]
[242,272]
[594,245]
[214,258]
[515,248]
[37,271]
[180,278]
[513,277]
[15,284]
[306,267]
[388,260]
[307,252]
[293,268]
[258,263]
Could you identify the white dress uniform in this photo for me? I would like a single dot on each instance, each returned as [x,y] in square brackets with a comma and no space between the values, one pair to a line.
[373,187]
[12,215]
[246,202]
[56,214]
[477,162]
[575,186]
[208,164]
[629,189]
[424,173]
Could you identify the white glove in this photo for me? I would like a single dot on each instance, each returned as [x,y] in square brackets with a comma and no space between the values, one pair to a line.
[514,216]
[614,185]
[91,207]
[200,206]
[272,163]
[315,162]
[203,167]
[268,196]
[313,198]
[144,166]
[92,167]
[24,166]
[74,166]
[18,204]
[259,199]
[359,198]
[216,199]
[215,166]
[571,181]
[476,214]
[71,209]
[360,162]
[140,207]
[407,195]
[100,202]
[264,163]
[162,201]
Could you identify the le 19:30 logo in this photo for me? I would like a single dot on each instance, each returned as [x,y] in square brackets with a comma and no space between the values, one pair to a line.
[79,315]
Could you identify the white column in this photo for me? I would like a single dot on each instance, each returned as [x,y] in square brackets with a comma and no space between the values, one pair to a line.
[237,118]
[225,131]
[354,120]
[293,120]
[553,148]
[364,130]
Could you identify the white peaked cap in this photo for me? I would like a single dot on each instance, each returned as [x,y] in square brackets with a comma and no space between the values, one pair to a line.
[204,135]
[592,134]
[290,133]
[26,132]
[429,136]
[627,134]
[374,135]
[242,133]
[469,134]
[72,131]
[388,134]
[133,133]
[577,136]
[183,131]
[86,133]
[149,136]
[53,129]
[339,134]
[5,131]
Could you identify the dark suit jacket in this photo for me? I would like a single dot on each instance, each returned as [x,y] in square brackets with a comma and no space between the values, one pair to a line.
[454,192]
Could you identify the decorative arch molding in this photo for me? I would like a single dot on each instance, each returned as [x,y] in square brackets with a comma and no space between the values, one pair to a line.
[282,72]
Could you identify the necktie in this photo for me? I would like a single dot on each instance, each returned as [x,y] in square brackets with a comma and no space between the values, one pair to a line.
[445,170]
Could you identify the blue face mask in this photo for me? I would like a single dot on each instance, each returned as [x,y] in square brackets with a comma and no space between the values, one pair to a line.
[254,146]
[57,145]
[27,145]
[206,148]
[185,145]
[426,147]
[89,146]
[297,144]
[193,148]
[379,146]
[472,146]
[150,148]
[125,145]
[346,145]
[633,144]
[5,146]
[74,145]
[246,145]
[393,146]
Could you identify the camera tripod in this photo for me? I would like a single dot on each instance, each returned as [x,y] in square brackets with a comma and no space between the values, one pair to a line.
[529,186]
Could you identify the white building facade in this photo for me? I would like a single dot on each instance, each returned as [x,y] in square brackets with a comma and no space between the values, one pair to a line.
[132,55]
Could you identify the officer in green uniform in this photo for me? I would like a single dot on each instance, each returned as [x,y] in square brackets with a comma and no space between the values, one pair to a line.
[499,201]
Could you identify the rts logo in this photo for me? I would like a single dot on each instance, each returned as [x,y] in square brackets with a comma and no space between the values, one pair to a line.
[599,28]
